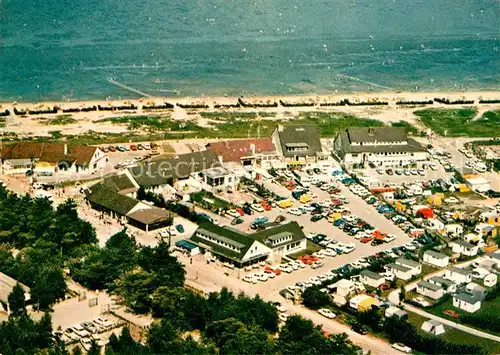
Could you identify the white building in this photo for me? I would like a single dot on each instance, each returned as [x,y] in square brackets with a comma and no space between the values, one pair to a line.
[478,184]
[299,145]
[415,267]
[466,302]
[464,248]
[381,146]
[457,275]
[217,180]
[401,272]
[342,287]
[242,249]
[436,259]
[430,290]
[371,278]
[448,285]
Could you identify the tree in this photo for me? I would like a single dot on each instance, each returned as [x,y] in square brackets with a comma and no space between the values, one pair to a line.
[94,348]
[48,287]
[77,351]
[314,298]
[402,294]
[17,301]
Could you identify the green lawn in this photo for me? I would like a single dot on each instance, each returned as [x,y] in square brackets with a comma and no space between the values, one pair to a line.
[411,129]
[235,115]
[59,120]
[457,336]
[311,248]
[153,122]
[459,122]
[330,124]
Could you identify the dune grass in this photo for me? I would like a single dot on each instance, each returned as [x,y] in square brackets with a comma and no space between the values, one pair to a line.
[461,122]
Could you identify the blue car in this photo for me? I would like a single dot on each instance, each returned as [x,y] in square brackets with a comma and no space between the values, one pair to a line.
[338,222]
[179,228]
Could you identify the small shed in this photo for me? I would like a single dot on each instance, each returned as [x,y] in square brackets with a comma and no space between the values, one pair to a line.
[395,312]
[433,327]
[490,280]
[185,245]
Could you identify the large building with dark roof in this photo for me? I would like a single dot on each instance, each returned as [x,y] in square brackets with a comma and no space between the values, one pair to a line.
[242,249]
[116,196]
[380,146]
[299,144]
[165,171]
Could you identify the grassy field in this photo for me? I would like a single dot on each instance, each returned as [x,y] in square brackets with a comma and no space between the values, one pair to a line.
[410,129]
[310,248]
[153,123]
[58,121]
[457,336]
[235,115]
[487,307]
[461,122]
[330,124]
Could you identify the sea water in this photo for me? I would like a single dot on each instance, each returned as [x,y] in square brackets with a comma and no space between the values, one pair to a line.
[68,49]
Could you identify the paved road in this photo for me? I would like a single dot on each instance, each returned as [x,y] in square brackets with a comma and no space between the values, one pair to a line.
[452,324]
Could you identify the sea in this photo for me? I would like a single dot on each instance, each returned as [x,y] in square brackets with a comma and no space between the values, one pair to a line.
[98,49]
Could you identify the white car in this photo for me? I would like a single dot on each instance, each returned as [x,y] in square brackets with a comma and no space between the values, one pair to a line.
[172,230]
[256,207]
[249,279]
[348,248]
[283,317]
[316,264]
[233,213]
[410,247]
[294,211]
[281,309]
[71,334]
[389,238]
[104,322]
[78,329]
[433,166]
[402,347]
[327,313]
[86,343]
[163,233]
[421,172]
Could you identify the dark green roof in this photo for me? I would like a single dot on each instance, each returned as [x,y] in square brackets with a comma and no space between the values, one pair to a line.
[241,240]
[162,171]
[122,182]
[103,194]
[299,135]
[345,146]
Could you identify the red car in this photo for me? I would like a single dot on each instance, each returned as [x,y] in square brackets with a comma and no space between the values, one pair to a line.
[451,313]
[366,240]
[240,211]
[266,206]
[384,287]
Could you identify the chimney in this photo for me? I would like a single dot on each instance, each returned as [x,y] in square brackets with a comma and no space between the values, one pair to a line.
[280,128]
[371,132]
[252,148]
[65,149]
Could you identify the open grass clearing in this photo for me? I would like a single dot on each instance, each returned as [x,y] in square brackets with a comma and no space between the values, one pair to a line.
[461,122]
[457,336]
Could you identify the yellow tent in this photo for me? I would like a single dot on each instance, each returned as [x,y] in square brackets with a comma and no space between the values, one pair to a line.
[436,199]
[334,216]
[366,304]
[464,188]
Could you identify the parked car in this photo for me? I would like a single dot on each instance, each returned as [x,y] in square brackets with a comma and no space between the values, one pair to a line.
[180,228]
[402,347]
[236,221]
[451,313]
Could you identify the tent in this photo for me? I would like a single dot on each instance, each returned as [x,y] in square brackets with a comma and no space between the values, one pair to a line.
[433,327]
[423,212]
[436,199]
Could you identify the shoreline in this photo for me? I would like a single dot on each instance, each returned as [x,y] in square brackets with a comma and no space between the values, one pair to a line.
[385,96]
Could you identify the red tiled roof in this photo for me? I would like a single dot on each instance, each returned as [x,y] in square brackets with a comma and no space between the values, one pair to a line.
[49,152]
[82,154]
[234,150]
